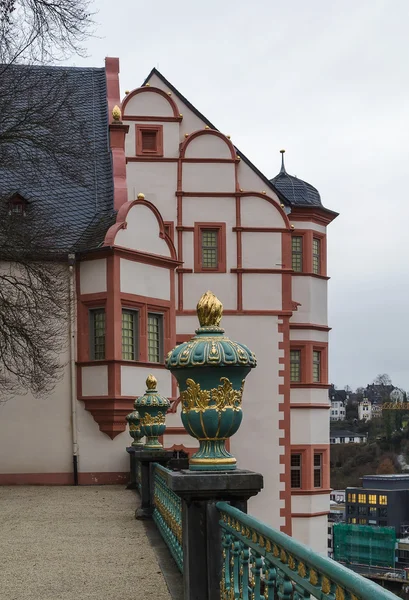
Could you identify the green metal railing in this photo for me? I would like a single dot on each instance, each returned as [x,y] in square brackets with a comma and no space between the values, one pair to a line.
[259,561]
[138,475]
[167,513]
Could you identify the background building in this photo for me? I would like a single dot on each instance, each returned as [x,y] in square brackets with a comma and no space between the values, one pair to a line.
[342,436]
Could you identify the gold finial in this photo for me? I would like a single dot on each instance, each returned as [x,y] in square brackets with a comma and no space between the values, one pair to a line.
[169,93]
[151,382]
[126,92]
[207,127]
[264,192]
[228,137]
[141,196]
[180,115]
[209,310]
[116,113]
[186,135]
[292,226]
[282,205]
[147,84]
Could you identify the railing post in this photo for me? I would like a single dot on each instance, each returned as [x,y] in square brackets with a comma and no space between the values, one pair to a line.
[132,485]
[202,549]
[146,458]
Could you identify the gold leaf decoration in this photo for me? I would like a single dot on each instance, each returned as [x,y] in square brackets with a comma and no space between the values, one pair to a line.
[261,541]
[283,556]
[226,397]
[116,113]
[302,571]
[194,398]
[148,420]
[326,585]
[151,382]
[313,577]
[209,310]
[276,550]
[339,593]
[268,545]
[291,562]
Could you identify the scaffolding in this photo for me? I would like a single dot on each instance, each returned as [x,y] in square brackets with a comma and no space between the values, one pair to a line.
[364,544]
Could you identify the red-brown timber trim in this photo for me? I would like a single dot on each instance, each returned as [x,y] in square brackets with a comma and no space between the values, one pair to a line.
[321,216]
[261,271]
[285,423]
[159,159]
[260,229]
[309,492]
[249,313]
[307,452]
[221,247]
[139,150]
[150,119]
[214,132]
[310,515]
[112,79]
[149,90]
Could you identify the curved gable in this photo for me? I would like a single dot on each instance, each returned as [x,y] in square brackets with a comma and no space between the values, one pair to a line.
[149,101]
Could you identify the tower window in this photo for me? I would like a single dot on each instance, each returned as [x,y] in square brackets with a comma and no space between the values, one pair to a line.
[129,334]
[210,247]
[295,365]
[316,366]
[316,256]
[97,333]
[155,337]
[296,480]
[297,253]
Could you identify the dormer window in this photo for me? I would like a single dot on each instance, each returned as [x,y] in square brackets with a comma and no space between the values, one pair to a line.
[149,140]
[17,205]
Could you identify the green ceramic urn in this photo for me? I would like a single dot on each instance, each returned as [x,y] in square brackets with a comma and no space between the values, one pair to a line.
[152,408]
[135,432]
[210,370]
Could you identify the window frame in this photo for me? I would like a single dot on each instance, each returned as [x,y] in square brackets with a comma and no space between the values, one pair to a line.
[297,469]
[220,228]
[161,330]
[92,312]
[298,351]
[316,379]
[317,469]
[139,131]
[136,332]
[318,256]
[296,253]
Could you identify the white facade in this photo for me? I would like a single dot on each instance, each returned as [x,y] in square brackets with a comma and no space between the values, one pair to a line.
[346,437]
[365,410]
[337,410]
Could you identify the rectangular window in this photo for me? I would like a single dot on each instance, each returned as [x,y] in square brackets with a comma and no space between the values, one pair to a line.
[351,509]
[353,520]
[372,511]
[342,440]
[97,333]
[362,498]
[362,510]
[129,334]
[149,140]
[295,365]
[351,497]
[155,337]
[296,471]
[317,470]
[297,253]
[316,366]
[363,521]
[383,499]
[316,256]
[209,248]
[372,498]
[383,512]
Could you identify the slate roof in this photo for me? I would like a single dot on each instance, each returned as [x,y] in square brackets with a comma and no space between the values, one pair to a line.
[297,191]
[334,433]
[71,184]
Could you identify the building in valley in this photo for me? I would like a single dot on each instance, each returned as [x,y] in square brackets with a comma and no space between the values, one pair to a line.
[178,209]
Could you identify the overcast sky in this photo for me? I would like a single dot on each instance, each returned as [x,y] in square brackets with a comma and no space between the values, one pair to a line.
[329,82]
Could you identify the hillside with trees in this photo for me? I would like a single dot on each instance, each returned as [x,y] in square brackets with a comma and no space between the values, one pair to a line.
[387,448]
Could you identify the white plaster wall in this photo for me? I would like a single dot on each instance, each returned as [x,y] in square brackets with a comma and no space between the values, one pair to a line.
[259,212]
[148,104]
[208,177]
[261,250]
[206,146]
[309,395]
[171,138]
[256,444]
[311,292]
[250,181]
[144,280]
[142,232]
[133,380]
[188,249]
[95,380]
[310,503]
[186,440]
[97,452]
[188,324]
[312,335]
[222,284]
[312,532]
[262,292]
[35,433]
[190,122]
[157,180]
[93,276]
[309,426]
[308,225]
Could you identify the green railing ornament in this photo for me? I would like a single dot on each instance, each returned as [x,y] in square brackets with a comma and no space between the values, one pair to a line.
[134,422]
[152,408]
[210,370]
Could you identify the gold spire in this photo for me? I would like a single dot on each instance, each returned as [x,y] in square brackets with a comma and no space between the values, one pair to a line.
[151,382]
[209,310]
[116,113]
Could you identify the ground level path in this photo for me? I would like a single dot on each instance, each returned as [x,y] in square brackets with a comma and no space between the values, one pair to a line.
[75,543]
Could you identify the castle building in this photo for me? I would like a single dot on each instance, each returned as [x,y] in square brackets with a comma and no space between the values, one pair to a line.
[175,209]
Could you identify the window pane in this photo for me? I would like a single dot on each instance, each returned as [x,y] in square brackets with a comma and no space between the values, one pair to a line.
[383,499]
[296,470]
[317,470]
[372,498]
[362,498]
[297,253]
[316,366]
[155,338]
[316,256]
[149,141]
[97,330]
[210,248]
[295,365]
[129,334]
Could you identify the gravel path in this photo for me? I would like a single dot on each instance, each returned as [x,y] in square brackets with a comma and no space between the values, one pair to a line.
[75,543]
